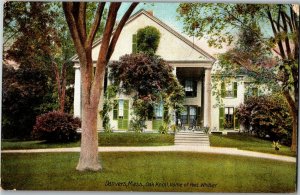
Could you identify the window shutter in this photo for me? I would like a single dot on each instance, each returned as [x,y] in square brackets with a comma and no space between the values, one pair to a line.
[115,110]
[222,89]
[221,118]
[199,116]
[126,114]
[235,89]
[255,92]
[134,43]
[166,113]
[236,121]
[156,123]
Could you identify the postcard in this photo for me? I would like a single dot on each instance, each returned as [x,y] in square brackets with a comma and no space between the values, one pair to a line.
[150,97]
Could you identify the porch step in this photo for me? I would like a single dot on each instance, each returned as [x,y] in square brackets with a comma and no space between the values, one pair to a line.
[191,138]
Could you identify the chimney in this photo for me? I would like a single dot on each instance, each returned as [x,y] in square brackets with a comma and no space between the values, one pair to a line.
[150,12]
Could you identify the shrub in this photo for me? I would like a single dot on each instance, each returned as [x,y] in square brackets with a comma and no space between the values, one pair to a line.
[56,127]
[266,115]
[163,129]
[137,124]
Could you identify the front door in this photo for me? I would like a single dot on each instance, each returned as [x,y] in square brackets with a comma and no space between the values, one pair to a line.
[190,116]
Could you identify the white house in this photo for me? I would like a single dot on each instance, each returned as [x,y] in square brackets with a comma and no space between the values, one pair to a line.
[192,66]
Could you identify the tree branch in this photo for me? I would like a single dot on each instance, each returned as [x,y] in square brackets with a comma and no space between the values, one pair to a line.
[287,42]
[96,24]
[102,61]
[119,29]
[82,21]
[68,10]
[282,53]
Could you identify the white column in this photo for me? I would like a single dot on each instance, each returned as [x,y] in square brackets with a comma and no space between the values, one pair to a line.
[207,98]
[77,92]
[174,71]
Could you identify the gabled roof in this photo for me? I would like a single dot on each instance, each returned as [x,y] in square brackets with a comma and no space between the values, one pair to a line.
[165,26]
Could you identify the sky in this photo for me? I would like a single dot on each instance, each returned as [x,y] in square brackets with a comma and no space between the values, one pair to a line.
[166,12]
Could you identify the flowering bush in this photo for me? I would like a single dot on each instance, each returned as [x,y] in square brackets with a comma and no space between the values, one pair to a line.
[56,127]
[266,116]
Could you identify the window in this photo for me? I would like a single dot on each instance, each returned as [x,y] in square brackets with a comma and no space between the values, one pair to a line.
[158,111]
[229,89]
[193,115]
[252,91]
[121,108]
[190,88]
[229,118]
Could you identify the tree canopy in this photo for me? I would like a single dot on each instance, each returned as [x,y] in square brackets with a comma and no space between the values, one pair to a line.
[150,78]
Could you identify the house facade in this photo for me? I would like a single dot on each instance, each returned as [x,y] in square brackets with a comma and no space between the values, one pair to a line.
[193,68]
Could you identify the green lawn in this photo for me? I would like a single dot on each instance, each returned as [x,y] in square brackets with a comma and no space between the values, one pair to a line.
[105,139]
[165,171]
[247,142]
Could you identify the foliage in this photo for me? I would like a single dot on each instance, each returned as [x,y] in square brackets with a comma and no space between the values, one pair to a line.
[56,127]
[23,92]
[150,78]
[205,130]
[266,116]
[276,145]
[148,40]
[110,93]
[136,124]
[163,129]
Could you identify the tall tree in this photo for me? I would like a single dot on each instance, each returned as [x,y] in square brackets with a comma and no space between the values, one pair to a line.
[26,87]
[281,36]
[92,81]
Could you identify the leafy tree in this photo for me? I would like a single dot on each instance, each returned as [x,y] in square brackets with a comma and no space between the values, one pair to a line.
[23,92]
[150,78]
[92,81]
[148,39]
[281,25]
[25,87]
[266,115]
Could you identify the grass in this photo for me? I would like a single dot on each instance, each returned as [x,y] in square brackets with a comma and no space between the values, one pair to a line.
[105,139]
[135,171]
[247,142]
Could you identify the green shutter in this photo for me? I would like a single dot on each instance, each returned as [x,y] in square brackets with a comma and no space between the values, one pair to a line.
[222,89]
[235,89]
[255,92]
[126,114]
[166,116]
[115,110]
[221,118]
[236,121]
[134,43]
[156,123]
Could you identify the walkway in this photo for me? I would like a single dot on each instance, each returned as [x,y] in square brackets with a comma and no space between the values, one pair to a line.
[175,148]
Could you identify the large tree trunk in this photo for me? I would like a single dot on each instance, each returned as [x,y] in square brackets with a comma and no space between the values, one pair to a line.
[89,140]
[293,112]
[89,137]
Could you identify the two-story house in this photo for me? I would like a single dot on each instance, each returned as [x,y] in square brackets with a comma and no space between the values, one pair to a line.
[192,66]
